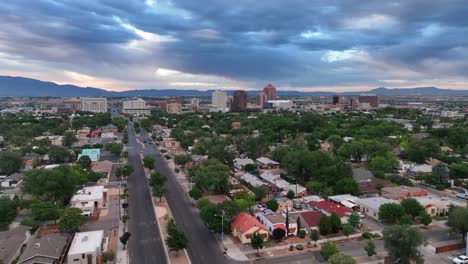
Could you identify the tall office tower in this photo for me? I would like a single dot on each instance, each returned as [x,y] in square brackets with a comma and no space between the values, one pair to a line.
[270,92]
[95,105]
[239,100]
[219,99]
[195,103]
[338,99]
[136,107]
[74,104]
[372,99]
[262,99]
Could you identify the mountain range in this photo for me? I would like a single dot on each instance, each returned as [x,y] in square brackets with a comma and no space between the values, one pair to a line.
[22,87]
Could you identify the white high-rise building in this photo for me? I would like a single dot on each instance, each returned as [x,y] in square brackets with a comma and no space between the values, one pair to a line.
[136,107]
[219,99]
[95,105]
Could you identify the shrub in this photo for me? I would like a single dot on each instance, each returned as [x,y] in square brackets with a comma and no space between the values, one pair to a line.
[163,150]
[366,235]
[299,247]
[167,157]
[291,248]
[177,170]
[302,233]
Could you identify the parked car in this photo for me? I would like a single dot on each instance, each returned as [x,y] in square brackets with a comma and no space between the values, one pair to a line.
[462,195]
[460,260]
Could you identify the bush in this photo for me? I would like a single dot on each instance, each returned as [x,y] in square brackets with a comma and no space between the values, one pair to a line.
[367,235]
[167,157]
[163,150]
[302,233]
[177,170]
[291,248]
[299,247]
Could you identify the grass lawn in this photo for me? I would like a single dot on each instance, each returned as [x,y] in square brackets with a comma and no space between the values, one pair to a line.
[439,218]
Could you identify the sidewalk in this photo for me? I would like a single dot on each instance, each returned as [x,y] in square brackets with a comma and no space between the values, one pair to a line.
[121,254]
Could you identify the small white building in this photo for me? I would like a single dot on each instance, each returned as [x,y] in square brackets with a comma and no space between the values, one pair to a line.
[253,180]
[240,163]
[423,168]
[86,247]
[88,199]
[371,206]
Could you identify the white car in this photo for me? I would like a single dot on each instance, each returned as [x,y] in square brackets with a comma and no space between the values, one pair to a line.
[460,260]
[462,195]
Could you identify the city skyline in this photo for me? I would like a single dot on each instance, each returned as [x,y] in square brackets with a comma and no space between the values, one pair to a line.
[178,44]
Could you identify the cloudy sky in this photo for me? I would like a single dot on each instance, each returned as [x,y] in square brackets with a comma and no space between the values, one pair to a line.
[237,44]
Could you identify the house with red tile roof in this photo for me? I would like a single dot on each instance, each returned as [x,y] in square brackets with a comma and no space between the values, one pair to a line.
[273,221]
[309,219]
[328,208]
[243,226]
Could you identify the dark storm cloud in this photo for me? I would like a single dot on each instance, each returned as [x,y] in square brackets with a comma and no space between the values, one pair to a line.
[297,42]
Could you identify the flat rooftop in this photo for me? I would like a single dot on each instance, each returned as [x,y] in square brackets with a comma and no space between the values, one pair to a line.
[85,242]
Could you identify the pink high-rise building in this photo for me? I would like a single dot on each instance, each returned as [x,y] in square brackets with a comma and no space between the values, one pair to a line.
[270,92]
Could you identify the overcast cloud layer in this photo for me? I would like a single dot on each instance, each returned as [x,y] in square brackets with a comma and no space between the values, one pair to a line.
[242,44]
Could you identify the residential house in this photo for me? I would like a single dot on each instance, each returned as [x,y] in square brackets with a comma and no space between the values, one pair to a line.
[266,163]
[110,128]
[86,247]
[49,248]
[239,163]
[328,208]
[371,206]
[12,181]
[83,132]
[93,154]
[89,199]
[435,206]
[253,180]
[284,203]
[298,190]
[402,192]
[170,143]
[277,220]
[31,160]
[422,168]
[367,183]
[11,242]
[103,167]
[275,181]
[346,200]
[310,220]
[243,226]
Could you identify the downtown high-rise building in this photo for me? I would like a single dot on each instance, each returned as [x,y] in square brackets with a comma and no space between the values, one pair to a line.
[239,101]
[270,92]
[262,99]
[371,99]
[95,105]
[219,99]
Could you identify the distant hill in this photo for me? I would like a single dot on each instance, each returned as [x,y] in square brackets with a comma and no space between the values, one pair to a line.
[19,86]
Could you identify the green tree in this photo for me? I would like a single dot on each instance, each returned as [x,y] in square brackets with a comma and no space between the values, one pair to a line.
[402,242]
[412,207]
[370,249]
[290,194]
[176,239]
[114,148]
[347,185]
[256,241]
[259,192]
[314,236]
[426,219]
[182,160]
[57,184]
[335,141]
[328,249]
[457,220]
[159,191]
[384,163]
[325,225]
[298,223]
[85,162]
[347,230]
[58,154]
[71,220]
[341,258]
[441,172]
[211,175]
[278,234]
[108,256]
[126,170]
[148,162]
[157,179]
[354,220]
[405,220]
[196,193]
[420,150]
[43,211]
[335,222]
[68,139]
[272,205]
[390,212]
[7,211]
[457,171]
[10,162]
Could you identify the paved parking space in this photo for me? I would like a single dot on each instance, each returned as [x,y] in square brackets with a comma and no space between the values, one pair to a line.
[370,224]
[108,220]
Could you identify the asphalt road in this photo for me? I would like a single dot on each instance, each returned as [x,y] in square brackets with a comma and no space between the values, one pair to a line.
[203,246]
[145,245]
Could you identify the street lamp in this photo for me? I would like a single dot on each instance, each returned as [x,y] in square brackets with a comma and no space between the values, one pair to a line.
[222,227]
